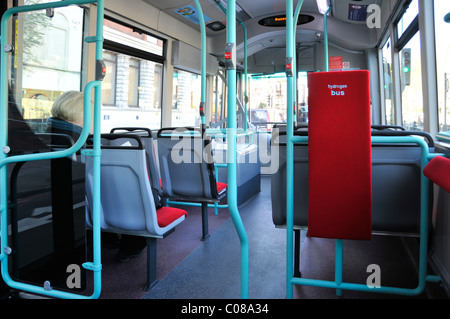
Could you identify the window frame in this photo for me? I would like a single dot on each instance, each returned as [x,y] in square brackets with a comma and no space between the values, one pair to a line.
[399,43]
[134,53]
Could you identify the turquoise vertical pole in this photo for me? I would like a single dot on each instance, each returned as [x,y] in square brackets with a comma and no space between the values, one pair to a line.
[339,265]
[245,77]
[203,63]
[231,153]
[289,154]
[97,152]
[245,67]
[294,58]
[325,38]
[339,243]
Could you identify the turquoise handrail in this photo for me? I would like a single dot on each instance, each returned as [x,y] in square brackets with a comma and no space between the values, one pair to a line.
[245,77]
[423,277]
[289,154]
[95,266]
[294,58]
[219,4]
[231,154]
[325,38]
[203,62]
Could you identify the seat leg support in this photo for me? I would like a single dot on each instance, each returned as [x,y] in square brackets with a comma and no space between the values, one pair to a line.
[205,230]
[151,264]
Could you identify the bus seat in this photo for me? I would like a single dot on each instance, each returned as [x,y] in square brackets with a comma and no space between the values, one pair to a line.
[187,169]
[438,171]
[152,160]
[396,170]
[127,202]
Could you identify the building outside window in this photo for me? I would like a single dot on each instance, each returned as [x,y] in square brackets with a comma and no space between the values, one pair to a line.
[387,82]
[186,99]
[411,85]
[408,44]
[48,60]
[132,88]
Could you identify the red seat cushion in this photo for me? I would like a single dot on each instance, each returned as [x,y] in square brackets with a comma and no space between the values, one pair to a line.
[438,171]
[221,186]
[340,160]
[167,215]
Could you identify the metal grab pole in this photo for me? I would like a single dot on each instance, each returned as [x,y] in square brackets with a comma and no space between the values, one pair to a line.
[339,258]
[289,155]
[245,66]
[325,38]
[245,77]
[203,64]
[294,59]
[230,55]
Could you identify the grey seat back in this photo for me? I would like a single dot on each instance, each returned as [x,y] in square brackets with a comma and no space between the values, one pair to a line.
[127,202]
[152,160]
[186,166]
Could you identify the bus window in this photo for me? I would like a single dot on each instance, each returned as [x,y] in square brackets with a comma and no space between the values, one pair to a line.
[268,99]
[387,80]
[407,18]
[411,84]
[49,62]
[186,99]
[408,45]
[132,88]
[219,106]
[442,8]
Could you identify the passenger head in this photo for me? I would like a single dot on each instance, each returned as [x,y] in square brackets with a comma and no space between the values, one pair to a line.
[69,107]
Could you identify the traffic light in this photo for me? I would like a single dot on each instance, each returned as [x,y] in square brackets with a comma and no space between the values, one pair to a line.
[406,66]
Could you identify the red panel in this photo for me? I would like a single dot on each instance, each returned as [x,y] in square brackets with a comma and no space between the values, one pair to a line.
[340,159]
[438,171]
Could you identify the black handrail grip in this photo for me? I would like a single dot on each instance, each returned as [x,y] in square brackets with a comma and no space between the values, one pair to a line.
[426,135]
[171,129]
[140,146]
[131,129]
[386,127]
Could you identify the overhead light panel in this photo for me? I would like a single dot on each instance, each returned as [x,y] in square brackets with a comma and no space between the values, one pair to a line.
[322,5]
[216,26]
[241,15]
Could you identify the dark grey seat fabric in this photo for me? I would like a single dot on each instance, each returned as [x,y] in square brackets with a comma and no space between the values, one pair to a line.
[187,166]
[146,136]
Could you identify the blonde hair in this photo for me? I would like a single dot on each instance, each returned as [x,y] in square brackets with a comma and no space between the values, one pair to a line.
[69,107]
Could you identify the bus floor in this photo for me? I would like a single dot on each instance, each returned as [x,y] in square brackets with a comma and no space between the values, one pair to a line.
[189,268]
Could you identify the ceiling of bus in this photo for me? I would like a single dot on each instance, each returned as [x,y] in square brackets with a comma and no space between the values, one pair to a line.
[262,39]
[257,8]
